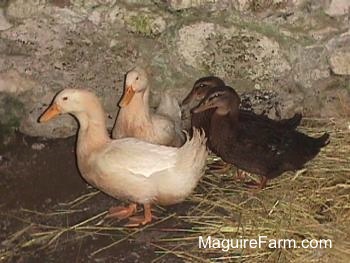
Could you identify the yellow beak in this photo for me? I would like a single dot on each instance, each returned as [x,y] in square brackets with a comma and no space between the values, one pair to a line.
[50,113]
[127,97]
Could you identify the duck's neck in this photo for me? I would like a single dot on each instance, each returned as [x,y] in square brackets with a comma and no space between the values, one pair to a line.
[230,120]
[137,111]
[202,120]
[92,132]
[223,131]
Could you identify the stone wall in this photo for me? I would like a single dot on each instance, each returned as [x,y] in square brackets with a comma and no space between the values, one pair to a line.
[282,56]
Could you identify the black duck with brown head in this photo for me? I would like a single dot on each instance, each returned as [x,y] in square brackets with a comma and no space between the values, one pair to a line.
[261,149]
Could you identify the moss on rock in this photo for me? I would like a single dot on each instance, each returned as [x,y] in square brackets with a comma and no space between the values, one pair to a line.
[11,113]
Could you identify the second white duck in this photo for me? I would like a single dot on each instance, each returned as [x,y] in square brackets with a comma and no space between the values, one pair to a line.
[135,118]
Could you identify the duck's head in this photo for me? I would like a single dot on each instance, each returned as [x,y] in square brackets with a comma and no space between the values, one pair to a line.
[73,101]
[136,81]
[224,99]
[201,88]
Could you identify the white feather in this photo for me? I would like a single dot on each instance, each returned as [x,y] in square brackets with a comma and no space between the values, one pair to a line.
[142,158]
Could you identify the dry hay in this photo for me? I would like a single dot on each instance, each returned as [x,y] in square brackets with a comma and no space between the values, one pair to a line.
[309,204]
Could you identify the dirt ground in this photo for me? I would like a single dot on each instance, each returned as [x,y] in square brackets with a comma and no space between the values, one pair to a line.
[49,214]
[38,182]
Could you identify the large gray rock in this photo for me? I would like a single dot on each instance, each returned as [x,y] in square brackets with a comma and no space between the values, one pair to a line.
[277,64]
[192,41]
[337,7]
[144,21]
[25,8]
[17,92]
[208,4]
[310,64]
[13,83]
[32,99]
[240,5]
[231,53]
[4,23]
[339,58]
[62,54]
[340,62]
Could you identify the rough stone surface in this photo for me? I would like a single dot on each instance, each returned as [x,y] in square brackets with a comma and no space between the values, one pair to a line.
[310,65]
[192,41]
[244,55]
[338,7]
[282,56]
[25,8]
[339,57]
[340,62]
[207,4]
[4,23]
[228,52]
[12,82]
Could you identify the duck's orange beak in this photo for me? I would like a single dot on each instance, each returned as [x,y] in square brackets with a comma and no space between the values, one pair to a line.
[127,97]
[50,113]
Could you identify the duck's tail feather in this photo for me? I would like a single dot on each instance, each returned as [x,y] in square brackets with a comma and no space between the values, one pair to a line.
[295,120]
[292,123]
[181,180]
[323,140]
[193,154]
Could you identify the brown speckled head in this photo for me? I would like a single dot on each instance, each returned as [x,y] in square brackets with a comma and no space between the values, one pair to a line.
[201,87]
[224,99]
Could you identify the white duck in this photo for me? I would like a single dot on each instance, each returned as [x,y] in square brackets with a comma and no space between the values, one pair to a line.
[135,118]
[129,168]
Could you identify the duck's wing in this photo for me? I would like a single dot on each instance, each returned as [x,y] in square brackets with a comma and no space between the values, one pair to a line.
[273,145]
[136,156]
[251,118]
[268,141]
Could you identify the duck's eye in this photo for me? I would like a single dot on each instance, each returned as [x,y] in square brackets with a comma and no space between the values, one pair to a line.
[65,98]
[137,78]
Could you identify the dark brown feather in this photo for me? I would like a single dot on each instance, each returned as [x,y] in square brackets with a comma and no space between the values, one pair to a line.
[262,147]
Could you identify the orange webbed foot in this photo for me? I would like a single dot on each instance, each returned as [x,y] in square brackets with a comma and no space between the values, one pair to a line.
[241,175]
[219,167]
[257,186]
[136,221]
[122,212]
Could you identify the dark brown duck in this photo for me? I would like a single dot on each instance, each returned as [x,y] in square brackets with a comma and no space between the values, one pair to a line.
[265,150]
[203,86]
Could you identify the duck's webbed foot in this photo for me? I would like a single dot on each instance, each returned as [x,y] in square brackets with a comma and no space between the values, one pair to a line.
[241,175]
[136,221]
[263,182]
[219,167]
[259,186]
[122,212]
